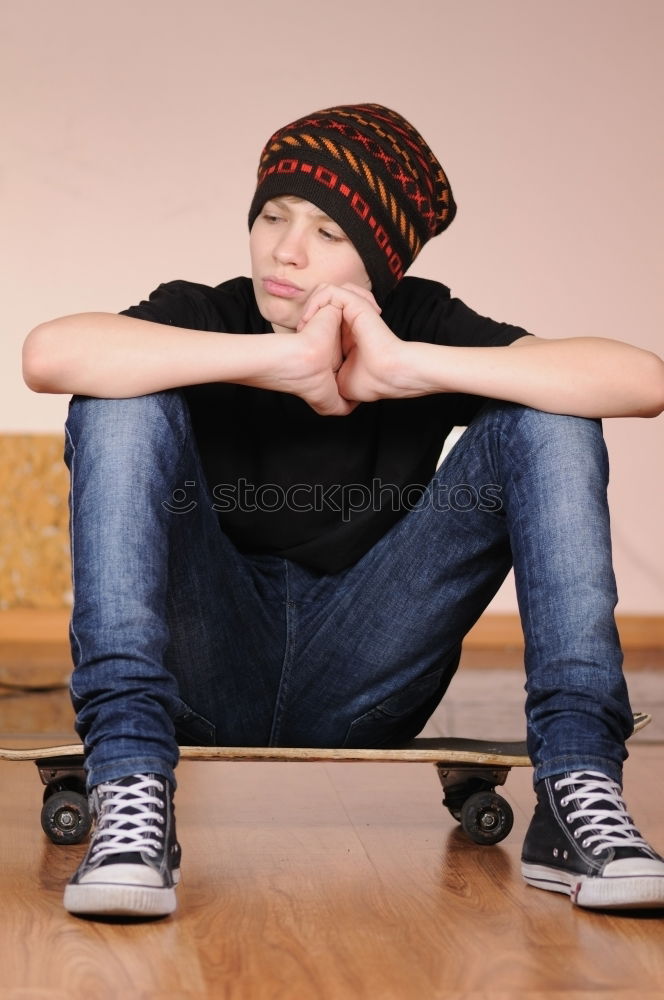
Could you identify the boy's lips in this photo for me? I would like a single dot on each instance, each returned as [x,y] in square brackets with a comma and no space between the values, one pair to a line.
[281,287]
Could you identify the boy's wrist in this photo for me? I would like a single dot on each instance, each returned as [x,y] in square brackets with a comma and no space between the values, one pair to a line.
[415,369]
[282,362]
[258,356]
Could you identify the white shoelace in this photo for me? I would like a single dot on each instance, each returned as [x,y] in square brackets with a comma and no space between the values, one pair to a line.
[607,822]
[128,819]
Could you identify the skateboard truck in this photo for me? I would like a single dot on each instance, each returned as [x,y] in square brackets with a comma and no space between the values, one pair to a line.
[65,815]
[470,797]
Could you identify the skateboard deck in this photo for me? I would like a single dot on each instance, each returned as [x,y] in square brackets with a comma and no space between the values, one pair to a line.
[422,750]
[469,771]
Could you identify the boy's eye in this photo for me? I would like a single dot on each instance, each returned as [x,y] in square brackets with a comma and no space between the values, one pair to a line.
[328,235]
[271,213]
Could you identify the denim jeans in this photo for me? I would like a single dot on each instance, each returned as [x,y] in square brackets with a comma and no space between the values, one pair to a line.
[179,638]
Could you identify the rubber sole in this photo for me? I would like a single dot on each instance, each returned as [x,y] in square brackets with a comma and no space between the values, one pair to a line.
[636,892]
[112,899]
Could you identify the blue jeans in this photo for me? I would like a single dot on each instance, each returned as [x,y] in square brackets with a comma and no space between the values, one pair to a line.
[179,638]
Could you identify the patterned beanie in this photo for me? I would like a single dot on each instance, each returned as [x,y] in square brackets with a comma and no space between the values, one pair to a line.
[368,169]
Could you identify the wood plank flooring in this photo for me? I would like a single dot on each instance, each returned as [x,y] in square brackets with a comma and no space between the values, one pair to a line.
[318,881]
[324,881]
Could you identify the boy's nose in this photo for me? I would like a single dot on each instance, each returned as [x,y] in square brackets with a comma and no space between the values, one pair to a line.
[290,249]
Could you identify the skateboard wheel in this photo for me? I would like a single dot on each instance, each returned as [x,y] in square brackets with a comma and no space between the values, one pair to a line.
[486,817]
[65,817]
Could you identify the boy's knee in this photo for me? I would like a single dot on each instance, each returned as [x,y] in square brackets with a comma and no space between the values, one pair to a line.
[557,430]
[109,421]
[557,446]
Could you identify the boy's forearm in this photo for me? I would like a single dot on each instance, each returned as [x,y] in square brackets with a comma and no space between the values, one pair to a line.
[107,355]
[588,377]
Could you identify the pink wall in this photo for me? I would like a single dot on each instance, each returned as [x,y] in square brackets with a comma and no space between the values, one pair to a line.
[131,132]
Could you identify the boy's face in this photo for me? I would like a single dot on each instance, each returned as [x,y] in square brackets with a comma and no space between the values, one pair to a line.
[294,248]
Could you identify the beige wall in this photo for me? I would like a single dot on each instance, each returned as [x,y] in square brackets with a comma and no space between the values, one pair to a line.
[130,134]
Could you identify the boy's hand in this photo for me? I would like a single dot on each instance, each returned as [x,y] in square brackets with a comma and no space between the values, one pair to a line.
[307,364]
[336,295]
[371,352]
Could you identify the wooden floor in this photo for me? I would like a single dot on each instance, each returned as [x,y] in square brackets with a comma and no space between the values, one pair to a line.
[326,882]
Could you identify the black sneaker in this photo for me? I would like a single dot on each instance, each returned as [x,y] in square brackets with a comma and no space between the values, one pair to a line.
[132,865]
[582,841]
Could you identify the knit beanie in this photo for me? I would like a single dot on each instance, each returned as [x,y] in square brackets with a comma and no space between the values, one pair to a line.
[368,169]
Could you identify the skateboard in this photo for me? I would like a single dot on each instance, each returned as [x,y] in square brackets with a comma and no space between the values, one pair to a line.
[469,771]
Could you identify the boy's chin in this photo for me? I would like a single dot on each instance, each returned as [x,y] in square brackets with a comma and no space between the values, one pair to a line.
[282,320]
[280,328]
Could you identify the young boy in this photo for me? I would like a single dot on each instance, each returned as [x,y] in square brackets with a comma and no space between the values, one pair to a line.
[264,553]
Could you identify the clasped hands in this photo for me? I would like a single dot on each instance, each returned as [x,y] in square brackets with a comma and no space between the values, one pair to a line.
[347,353]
